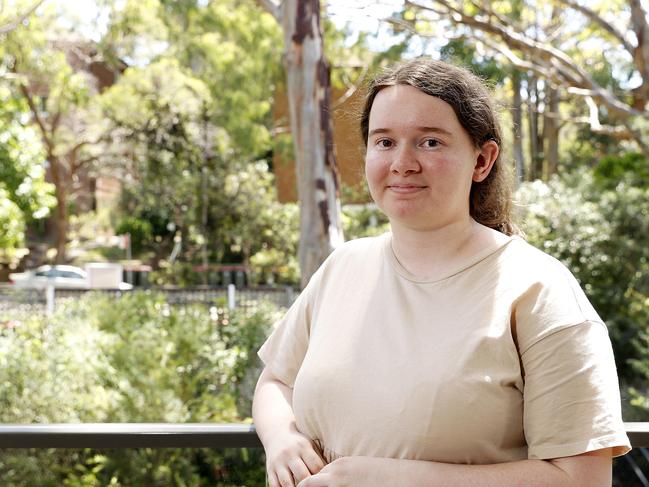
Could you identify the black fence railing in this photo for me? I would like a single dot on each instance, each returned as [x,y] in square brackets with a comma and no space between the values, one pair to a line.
[632,469]
[128,435]
[166,435]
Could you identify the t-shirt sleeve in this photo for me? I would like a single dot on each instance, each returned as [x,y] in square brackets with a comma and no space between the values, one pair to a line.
[284,350]
[571,396]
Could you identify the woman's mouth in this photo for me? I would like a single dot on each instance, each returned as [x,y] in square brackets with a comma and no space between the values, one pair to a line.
[405,188]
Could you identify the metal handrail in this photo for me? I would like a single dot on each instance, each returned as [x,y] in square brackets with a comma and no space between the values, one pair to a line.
[129,435]
[166,435]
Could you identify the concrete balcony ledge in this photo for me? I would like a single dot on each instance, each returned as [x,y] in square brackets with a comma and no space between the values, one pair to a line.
[166,435]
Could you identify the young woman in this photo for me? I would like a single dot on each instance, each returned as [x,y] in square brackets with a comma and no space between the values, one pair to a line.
[449,351]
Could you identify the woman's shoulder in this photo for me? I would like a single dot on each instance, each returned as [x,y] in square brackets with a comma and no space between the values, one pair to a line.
[547,292]
[526,258]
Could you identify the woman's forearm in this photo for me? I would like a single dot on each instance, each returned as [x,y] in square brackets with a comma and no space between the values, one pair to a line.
[272,407]
[589,470]
[290,455]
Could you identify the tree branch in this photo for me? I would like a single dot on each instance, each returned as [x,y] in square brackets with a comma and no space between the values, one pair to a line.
[272,7]
[557,59]
[597,19]
[37,118]
[351,89]
[19,20]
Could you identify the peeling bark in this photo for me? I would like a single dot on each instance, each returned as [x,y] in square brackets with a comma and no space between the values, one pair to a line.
[309,97]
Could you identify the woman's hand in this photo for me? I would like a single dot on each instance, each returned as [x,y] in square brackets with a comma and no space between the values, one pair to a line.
[290,458]
[356,472]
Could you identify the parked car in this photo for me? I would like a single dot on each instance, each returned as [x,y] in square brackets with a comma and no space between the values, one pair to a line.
[59,276]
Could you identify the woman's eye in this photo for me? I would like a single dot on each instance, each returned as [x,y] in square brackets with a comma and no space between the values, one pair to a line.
[384,143]
[430,143]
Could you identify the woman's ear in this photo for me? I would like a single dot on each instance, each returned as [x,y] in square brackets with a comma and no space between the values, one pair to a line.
[485,160]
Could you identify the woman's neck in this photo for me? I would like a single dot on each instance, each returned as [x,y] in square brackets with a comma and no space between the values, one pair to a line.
[434,253]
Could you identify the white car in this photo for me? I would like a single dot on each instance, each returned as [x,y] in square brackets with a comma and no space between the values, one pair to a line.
[58,276]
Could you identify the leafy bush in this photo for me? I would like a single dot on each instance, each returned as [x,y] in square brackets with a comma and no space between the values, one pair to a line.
[132,359]
[363,221]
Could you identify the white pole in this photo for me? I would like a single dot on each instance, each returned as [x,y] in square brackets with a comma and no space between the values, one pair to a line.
[289,296]
[129,258]
[231,296]
[49,300]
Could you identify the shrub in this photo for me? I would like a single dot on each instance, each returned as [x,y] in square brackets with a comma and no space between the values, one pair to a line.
[132,359]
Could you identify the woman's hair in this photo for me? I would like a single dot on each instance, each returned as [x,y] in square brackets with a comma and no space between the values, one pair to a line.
[471,100]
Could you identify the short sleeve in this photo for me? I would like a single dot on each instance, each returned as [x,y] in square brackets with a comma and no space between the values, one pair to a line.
[571,394]
[284,350]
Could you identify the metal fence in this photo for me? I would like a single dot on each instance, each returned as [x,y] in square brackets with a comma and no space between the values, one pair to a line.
[629,470]
[23,300]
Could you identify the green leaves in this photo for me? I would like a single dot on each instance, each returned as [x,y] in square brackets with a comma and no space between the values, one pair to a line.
[131,359]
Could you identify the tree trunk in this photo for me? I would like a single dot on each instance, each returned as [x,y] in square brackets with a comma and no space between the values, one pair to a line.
[551,131]
[311,127]
[536,148]
[61,225]
[58,177]
[517,118]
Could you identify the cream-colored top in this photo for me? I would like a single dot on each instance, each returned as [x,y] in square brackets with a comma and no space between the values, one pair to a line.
[505,359]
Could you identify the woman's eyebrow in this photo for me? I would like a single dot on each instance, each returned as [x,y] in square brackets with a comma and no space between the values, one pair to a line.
[418,129]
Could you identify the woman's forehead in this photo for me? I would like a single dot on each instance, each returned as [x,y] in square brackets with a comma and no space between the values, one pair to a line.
[407,106]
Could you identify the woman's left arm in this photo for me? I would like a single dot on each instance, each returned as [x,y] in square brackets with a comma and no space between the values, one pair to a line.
[591,469]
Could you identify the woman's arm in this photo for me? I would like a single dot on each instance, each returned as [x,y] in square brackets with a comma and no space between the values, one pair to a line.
[591,469]
[289,454]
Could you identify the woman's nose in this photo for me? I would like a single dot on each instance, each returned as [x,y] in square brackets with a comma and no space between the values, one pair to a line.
[405,161]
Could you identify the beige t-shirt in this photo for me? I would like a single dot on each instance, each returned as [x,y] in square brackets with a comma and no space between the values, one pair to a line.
[505,359]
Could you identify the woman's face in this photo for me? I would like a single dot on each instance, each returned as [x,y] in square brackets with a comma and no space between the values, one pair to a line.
[420,162]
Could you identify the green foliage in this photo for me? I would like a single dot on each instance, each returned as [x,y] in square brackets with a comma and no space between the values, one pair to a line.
[195,121]
[132,359]
[12,226]
[630,169]
[363,221]
[140,230]
[24,195]
[598,227]
[22,171]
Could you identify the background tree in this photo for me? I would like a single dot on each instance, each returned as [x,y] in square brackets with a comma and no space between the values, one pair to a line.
[60,103]
[560,46]
[309,95]
[194,125]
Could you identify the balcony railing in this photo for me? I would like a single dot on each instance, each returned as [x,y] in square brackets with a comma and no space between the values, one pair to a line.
[166,435]
[130,435]
[206,435]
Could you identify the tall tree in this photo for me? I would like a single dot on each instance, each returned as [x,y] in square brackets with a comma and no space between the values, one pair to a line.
[564,65]
[194,124]
[308,84]
[59,97]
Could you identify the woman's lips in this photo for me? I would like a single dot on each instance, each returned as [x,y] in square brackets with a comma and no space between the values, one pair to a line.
[405,188]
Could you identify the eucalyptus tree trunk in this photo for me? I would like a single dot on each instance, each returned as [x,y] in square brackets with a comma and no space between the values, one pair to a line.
[517,118]
[309,97]
[536,159]
[551,131]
